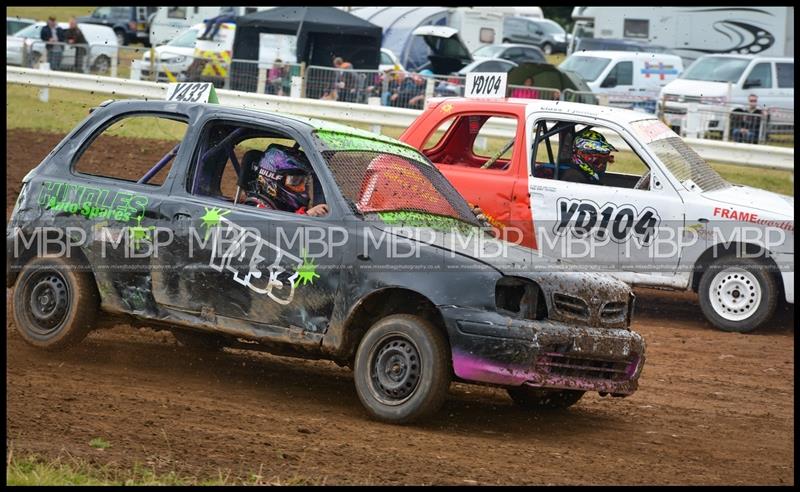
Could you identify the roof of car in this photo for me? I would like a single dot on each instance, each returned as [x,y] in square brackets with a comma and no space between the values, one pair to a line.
[531,105]
[311,123]
[621,53]
[748,56]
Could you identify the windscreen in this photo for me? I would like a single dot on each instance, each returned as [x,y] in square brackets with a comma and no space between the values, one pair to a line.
[489,51]
[716,69]
[680,159]
[185,40]
[392,183]
[588,67]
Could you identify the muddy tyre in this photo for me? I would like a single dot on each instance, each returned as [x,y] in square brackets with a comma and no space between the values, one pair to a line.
[402,369]
[196,340]
[543,399]
[738,294]
[55,302]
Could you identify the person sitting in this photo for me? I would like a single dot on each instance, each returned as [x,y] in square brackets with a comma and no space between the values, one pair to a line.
[280,183]
[591,154]
[226,14]
[746,123]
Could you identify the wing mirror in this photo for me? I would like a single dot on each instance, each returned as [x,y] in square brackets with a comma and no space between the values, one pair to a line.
[752,83]
[609,82]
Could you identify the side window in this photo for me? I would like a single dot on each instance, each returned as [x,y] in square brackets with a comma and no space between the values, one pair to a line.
[533,29]
[785,75]
[587,154]
[513,54]
[177,12]
[486,35]
[121,12]
[760,77]
[226,167]
[385,60]
[138,148]
[533,55]
[635,28]
[468,141]
[621,74]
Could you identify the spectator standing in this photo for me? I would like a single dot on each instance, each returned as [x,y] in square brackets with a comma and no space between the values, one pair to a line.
[226,14]
[525,92]
[275,78]
[53,36]
[746,123]
[412,92]
[75,37]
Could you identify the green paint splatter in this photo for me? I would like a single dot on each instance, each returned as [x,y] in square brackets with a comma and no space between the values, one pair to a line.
[306,272]
[360,140]
[407,218]
[139,233]
[211,218]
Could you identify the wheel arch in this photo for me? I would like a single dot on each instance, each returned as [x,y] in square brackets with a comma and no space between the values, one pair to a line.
[379,304]
[734,249]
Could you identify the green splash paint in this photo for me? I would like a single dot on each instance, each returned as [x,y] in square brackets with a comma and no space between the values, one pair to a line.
[339,141]
[306,272]
[406,218]
[139,233]
[211,218]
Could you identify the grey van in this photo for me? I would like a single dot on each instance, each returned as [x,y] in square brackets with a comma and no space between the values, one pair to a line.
[544,33]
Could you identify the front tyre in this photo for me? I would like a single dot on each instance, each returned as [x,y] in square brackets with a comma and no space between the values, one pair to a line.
[543,399]
[738,294]
[55,302]
[402,369]
[547,48]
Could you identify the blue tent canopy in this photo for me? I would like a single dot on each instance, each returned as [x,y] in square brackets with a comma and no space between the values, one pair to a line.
[398,23]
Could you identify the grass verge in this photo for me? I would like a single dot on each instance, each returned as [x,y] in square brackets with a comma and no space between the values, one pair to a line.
[62,14]
[36,470]
[66,108]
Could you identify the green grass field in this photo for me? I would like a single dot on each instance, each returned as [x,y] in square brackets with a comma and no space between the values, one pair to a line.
[66,108]
[62,14]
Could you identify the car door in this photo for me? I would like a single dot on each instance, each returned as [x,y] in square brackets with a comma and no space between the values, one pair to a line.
[249,269]
[759,81]
[611,227]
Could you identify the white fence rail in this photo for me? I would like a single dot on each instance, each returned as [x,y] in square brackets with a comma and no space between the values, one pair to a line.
[763,156]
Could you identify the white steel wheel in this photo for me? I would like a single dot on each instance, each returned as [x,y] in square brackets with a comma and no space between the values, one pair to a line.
[735,294]
[738,294]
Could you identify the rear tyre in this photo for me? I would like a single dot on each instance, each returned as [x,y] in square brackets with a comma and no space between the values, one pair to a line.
[122,38]
[402,369]
[55,302]
[102,64]
[738,294]
[543,399]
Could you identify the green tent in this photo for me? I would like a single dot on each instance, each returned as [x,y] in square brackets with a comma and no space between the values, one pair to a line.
[550,76]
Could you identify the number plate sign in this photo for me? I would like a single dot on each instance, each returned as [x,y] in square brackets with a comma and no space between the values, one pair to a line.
[202,92]
[486,85]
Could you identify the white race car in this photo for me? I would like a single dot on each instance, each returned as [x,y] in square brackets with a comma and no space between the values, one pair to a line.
[668,221]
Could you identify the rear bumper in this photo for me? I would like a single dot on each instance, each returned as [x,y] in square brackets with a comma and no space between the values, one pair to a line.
[488,347]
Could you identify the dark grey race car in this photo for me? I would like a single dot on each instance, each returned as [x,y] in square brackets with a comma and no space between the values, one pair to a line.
[394,280]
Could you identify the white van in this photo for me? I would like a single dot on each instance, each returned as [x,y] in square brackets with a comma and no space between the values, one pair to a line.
[719,83]
[175,61]
[630,79]
[168,22]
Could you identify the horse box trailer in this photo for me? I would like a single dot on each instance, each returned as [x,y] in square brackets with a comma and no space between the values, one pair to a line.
[691,32]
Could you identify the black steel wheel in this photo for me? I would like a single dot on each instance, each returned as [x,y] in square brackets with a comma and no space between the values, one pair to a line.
[55,302]
[402,369]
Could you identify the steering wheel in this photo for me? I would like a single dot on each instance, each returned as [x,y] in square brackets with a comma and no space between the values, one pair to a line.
[644,182]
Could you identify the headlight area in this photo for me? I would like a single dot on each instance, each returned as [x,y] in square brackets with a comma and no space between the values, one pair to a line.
[520,298]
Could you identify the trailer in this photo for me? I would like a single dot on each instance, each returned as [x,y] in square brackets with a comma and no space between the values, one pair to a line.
[691,32]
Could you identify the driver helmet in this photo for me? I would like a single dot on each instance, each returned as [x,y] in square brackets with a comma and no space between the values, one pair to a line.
[281,177]
[592,153]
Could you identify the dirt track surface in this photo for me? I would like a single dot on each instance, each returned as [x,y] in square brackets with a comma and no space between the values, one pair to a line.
[712,408]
